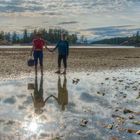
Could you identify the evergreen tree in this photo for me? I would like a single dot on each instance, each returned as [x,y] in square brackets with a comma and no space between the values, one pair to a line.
[14,37]
[1,35]
[25,36]
[8,37]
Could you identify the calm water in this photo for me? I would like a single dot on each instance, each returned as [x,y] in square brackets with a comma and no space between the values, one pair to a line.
[57,106]
[95,46]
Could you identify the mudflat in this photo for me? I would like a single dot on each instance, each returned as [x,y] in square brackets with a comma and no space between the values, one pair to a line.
[14,61]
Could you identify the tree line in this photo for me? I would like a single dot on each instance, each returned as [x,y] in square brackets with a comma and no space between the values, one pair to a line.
[130,41]
[51,35]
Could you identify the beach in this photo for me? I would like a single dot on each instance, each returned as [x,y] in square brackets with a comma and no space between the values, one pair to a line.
[98,98]
[14,61]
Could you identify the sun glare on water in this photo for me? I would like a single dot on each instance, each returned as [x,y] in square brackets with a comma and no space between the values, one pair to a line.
[33,126]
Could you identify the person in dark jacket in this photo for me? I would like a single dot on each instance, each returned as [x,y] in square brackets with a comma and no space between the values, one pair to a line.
[63,52]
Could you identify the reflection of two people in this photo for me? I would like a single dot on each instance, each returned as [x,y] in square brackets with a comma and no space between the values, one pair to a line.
[62,98]
[37,97]
[39,101]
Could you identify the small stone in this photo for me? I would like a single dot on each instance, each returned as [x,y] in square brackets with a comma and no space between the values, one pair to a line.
[127,111]
[84,123]
[131,131]
[136,122]
[75,81]
[131,117]
[138,132]
[106,78]
[110,126]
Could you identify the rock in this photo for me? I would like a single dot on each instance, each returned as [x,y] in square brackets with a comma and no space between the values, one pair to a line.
[98,92]
[114,79]
[124,96]
[138,96]
[110,126]
[138,132]
[127,111]
[107,78]
[126,87]
[120,81]
[135,88]
[113,138]
[131,131]
[84,123]
[131,117]
[75,81]
[136,122]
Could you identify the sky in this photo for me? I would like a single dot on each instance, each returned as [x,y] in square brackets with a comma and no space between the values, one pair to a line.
[95,19]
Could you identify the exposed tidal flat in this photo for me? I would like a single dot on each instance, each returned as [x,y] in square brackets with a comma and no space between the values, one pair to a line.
[14,60]
[98,99]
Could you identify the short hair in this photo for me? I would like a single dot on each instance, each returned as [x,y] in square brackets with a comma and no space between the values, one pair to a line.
[63,34]
[39,34]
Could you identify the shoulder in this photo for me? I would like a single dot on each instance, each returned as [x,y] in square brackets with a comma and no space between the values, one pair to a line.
[34,40]
[59,42]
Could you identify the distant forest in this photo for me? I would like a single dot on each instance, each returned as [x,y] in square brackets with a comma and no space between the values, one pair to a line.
[51,35]
[129,41]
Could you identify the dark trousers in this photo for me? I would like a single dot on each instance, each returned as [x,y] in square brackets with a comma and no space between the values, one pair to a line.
[64,58]
[38,55]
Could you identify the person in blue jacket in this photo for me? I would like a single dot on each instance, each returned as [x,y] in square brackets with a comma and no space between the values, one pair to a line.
[63,52]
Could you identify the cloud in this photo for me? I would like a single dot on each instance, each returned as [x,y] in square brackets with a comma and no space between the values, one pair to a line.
[65,6]
[111,31]
[67,22]
[76,15]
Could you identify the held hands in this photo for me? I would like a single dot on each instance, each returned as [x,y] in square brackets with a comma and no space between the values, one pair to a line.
[51,50]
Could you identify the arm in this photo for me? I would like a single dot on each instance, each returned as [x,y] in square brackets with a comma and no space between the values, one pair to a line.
[32,98]
[67,49]
[49,97]
[31,53]
[45,44]
[55,47]
[33,46]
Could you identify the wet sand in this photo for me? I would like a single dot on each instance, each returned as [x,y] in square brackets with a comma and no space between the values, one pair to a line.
[14,61]
[98,99]
[87,106]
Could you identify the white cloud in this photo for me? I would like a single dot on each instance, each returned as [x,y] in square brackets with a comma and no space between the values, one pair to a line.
[85,13]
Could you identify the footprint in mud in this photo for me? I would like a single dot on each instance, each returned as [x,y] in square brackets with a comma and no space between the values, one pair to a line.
[10,100]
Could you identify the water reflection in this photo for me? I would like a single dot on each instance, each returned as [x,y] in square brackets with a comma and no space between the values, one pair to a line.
[38,99]
[62,97]
[37,96]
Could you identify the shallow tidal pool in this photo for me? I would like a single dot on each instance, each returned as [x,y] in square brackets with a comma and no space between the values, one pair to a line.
[103,105]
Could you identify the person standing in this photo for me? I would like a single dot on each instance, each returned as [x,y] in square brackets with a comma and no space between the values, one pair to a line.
[63,52]
[37,51]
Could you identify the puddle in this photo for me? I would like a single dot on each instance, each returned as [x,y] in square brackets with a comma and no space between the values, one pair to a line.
[99,105]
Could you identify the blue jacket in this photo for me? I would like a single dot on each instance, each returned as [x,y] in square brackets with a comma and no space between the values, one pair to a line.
[63,47]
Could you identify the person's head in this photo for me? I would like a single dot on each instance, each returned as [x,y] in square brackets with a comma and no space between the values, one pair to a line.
[63,36]
[38,111]
[38,35]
